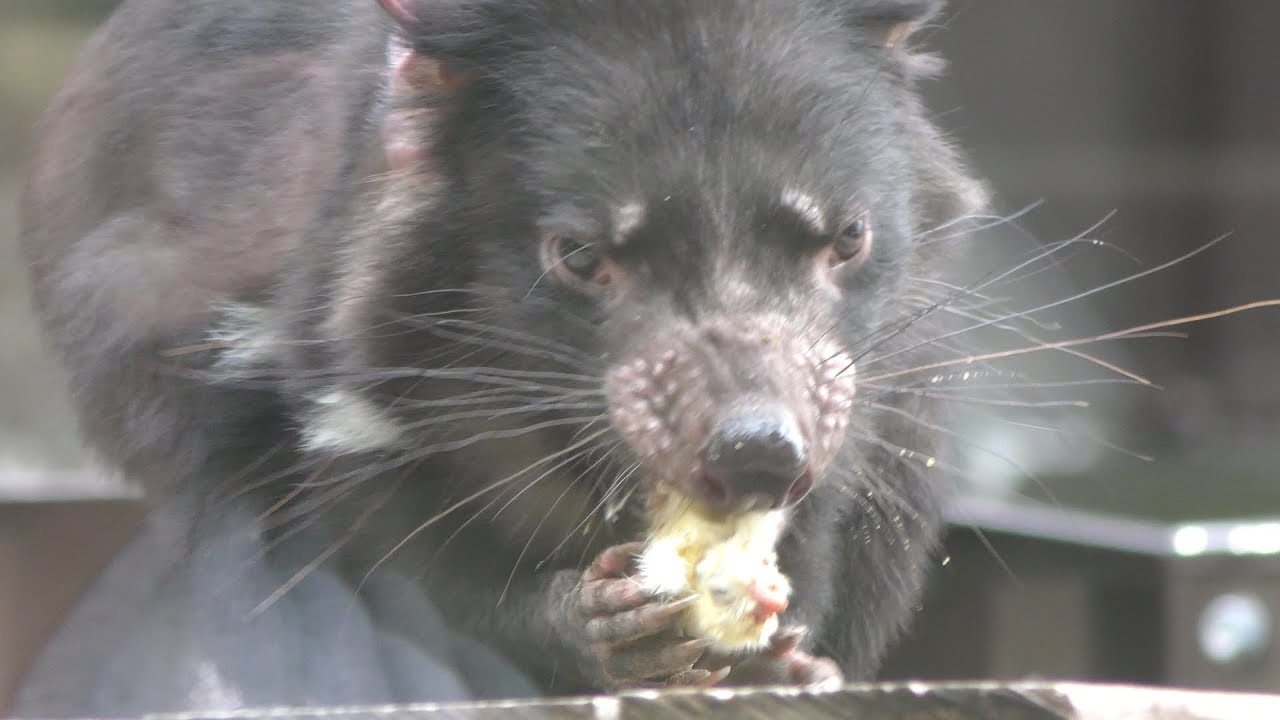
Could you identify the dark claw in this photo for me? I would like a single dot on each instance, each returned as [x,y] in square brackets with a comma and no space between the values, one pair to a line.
[801,668]
[784,663]
[698,678]
[684,655]
[632,625]
[607,597]
[787,640]
[656,659]
[814,672]
[626,634]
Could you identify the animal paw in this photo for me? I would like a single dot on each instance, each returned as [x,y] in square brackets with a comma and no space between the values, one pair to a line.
[784,662]
[629,632]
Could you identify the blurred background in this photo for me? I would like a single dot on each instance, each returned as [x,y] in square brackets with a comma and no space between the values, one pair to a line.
[1128,541]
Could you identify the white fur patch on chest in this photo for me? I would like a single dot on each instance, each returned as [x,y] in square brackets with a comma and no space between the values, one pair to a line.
[341,421]
[338,421]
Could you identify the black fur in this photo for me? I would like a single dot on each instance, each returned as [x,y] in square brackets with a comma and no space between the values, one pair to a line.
[402,289]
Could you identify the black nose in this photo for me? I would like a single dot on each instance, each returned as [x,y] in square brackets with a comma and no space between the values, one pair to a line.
[755,460]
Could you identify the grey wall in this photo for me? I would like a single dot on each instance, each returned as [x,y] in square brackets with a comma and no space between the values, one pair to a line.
[1166,112]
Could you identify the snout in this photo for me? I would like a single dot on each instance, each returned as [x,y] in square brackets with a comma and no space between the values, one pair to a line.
[738,413]
[755,459]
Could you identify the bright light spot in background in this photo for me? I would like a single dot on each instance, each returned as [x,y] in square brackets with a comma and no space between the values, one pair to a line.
[1190,540]
[1235,627]
[1261,539]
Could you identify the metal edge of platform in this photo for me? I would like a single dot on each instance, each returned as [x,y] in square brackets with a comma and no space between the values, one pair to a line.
[918,701]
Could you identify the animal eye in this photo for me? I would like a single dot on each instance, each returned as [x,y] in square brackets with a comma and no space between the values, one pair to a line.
[720,594]
[852,242]
[576,261]
[581,260]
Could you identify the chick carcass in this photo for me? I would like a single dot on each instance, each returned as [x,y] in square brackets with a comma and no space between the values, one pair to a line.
[729,561]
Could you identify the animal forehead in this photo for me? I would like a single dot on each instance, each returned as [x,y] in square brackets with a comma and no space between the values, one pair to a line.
[680,110]
[690,60]
[629,133]
[616,21]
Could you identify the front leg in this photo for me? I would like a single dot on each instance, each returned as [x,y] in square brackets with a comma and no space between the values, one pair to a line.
[598,630]
[623,634]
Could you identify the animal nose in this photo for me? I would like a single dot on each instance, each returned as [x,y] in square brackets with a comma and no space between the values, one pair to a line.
[755,460]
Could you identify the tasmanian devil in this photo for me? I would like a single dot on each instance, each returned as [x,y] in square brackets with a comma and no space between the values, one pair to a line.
[463,281]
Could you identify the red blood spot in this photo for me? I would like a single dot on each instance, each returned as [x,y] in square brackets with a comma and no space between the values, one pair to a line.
[770,600]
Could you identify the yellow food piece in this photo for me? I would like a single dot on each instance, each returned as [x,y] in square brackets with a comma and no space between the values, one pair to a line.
[720,558]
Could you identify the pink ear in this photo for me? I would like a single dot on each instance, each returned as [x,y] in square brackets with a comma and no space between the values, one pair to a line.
[401,139]
[402,11]
[416,84]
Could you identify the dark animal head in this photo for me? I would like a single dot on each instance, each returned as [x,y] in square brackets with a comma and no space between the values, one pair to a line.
[707,209]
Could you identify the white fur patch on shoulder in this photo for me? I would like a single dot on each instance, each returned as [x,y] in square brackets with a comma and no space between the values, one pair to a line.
[342,421]
[246,335]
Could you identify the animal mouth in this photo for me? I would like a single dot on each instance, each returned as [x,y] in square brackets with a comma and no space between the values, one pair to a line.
[716,492]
